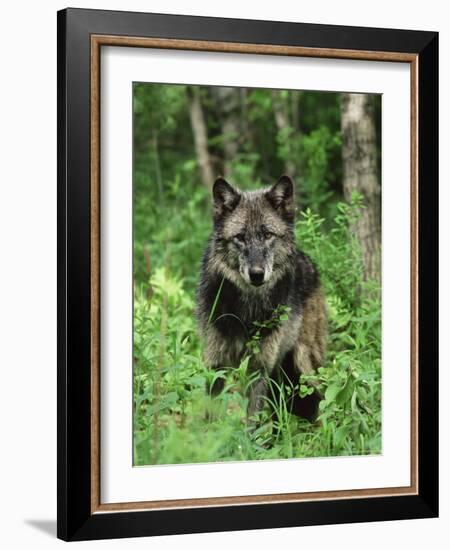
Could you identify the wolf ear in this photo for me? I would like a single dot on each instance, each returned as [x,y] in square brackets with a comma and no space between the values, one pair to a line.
[281,197]
[226,198]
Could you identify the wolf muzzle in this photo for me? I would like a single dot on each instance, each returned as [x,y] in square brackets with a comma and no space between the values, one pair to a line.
[256,275]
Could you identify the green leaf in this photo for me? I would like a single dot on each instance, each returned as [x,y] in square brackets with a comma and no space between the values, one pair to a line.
[354,403]
[197,380]
[331,392]
[303,390]
[167,401]
[346,393]
[363,427]
[340,434]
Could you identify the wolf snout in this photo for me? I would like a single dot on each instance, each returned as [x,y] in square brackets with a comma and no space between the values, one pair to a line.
[256,275]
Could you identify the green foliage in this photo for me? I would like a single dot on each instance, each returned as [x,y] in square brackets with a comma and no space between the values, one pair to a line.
[317,152]
[314,155]
[336,252]
[175,420]
[279,315]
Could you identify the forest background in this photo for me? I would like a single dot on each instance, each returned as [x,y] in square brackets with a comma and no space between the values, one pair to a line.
[330,144]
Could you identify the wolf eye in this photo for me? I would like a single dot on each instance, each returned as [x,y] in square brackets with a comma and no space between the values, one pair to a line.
[240,237]
[268,235]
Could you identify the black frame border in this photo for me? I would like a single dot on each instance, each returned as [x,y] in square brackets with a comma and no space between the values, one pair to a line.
[75,521]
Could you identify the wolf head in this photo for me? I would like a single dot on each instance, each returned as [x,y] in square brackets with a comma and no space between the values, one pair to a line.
[254,232]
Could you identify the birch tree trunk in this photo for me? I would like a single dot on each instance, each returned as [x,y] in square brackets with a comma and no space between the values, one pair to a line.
[360,173]
[200,134]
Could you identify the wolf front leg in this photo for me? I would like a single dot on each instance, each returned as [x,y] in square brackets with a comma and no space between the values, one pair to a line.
[263,363]
[219,354]
[257,394]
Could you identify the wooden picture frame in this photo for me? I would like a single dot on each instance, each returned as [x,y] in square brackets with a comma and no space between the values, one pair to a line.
[81,35]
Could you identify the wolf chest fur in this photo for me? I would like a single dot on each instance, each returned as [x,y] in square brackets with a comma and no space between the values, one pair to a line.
[251,267]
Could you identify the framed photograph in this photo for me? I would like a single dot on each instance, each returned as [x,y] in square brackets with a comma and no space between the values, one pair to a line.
[247,286]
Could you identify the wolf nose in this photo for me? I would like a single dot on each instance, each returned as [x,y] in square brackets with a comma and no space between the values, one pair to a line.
[256,276]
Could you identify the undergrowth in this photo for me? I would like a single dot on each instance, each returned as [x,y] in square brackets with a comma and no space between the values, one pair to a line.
[170,401]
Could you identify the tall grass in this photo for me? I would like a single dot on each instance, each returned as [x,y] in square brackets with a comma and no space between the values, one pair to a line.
[170,401]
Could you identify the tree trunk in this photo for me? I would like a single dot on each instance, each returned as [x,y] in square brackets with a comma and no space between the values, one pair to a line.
[360,173]
[229,102]
[200,133]
[281,113]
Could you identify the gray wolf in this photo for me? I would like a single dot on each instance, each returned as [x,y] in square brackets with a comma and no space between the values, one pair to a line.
[251,267]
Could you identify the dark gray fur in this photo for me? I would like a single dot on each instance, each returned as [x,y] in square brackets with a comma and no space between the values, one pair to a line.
[253,254]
